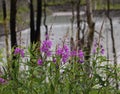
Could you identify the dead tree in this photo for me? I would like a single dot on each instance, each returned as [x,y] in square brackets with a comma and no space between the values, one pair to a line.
[78,24]
[90,35]
[45,16]
[13,11]
[32,24]
[113,43]
[5,27]
[38,21]
[91,26]
[72,44]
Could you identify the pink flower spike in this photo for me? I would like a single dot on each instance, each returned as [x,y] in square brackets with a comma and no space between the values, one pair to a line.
[19,51]
[39,62]
[54,60]
[80,54]
[2,81]
[22,53]
[102,51]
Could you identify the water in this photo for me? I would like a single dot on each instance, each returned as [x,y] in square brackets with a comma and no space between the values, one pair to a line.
[60,24]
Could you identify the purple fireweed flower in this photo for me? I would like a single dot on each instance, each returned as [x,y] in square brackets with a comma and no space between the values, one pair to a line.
[48,53]
[102,51]
[73,53]
[59,51]
[64,52]
[2,81]
[94,50]
[101,46]
[22,53]
[81,61]
[19,51]
[54,60]
[80,54]
[95,44]
[65,57]
[65,48]
[39,62]
[46,46]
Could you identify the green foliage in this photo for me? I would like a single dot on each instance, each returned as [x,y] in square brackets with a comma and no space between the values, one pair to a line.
[104,6]
[28,77]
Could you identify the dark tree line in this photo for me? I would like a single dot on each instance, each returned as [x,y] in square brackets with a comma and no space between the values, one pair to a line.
[34,26]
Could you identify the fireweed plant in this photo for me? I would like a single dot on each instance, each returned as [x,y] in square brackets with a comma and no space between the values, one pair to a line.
[43,71]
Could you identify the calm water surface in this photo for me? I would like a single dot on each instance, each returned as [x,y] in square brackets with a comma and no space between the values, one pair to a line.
[59,25]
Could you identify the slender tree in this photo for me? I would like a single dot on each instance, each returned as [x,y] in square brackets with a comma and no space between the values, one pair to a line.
[4,9]
[90,23]
[32,24]
[78,24]
[45,16]
[72,44]
[90,34]
[113,42]
[5,26]
[38,21]
[13,11]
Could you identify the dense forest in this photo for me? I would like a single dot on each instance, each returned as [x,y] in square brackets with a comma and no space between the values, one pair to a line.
[71,46]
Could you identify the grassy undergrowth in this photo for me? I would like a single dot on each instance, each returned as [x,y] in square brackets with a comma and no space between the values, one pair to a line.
[39,71]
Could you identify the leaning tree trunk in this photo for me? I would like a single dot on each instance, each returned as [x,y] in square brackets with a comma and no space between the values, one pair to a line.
[38,21]
[113,43]
[13,11]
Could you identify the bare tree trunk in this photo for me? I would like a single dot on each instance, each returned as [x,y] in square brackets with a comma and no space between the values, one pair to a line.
[91,25]
[107,40]
[45,15]
[6,34]
[91,30]
[78,24]
[72,44]
[13,11]
[113,43]
[5,28]
[32,24]
[38,21]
